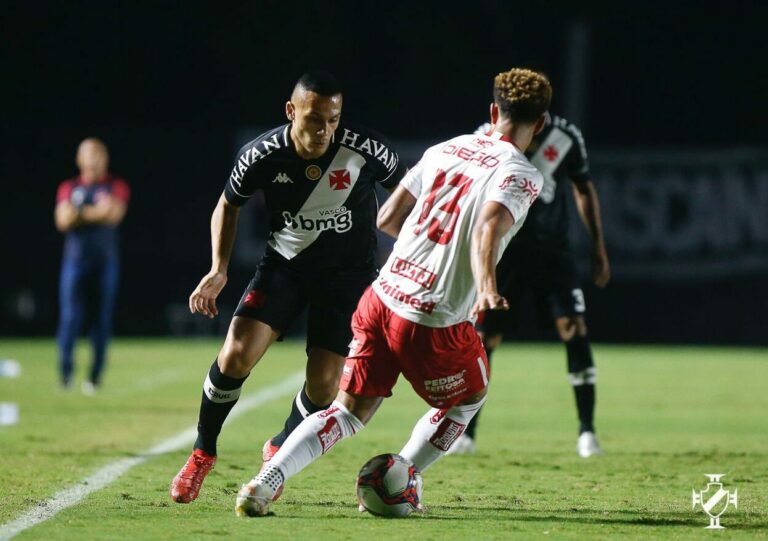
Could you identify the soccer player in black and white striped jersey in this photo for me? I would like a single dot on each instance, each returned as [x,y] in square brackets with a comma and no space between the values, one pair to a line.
[318,177]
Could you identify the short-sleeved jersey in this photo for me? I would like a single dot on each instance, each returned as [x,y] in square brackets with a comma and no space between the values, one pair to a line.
[91,240]
[560,154]
[428,277]
[322,212]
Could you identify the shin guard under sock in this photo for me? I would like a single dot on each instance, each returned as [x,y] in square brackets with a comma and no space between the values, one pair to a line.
[435,432]
[313,438]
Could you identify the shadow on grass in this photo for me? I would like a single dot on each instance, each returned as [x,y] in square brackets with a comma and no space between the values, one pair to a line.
[566,516]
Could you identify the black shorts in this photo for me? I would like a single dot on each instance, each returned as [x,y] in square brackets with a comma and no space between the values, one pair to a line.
[277,295]
[550,275]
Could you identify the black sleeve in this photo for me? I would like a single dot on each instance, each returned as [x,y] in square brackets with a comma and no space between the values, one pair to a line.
[383,158]
[391,177]
[393,170]
[243,181]
[577,162]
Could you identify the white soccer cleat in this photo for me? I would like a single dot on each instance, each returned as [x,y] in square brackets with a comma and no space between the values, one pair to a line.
[587,445]
[463,446]
[255,496]
[88,388]
[253,499]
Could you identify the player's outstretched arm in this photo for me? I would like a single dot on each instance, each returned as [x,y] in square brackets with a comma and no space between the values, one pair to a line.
[494,222]
[588,205]
[394,211]
[223,231]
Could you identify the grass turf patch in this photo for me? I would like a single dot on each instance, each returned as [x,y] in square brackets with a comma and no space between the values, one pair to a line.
[665,416]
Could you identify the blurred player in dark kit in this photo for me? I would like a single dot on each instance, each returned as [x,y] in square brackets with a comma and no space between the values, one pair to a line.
[89,209]
[318,177]
[540,260]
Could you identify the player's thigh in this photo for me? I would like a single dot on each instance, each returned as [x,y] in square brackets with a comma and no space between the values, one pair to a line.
[274,296]
[333,299]
[109,274]
[370,369]
[247,341]
[322,374]
[565,298]
[74,272]
[445,366]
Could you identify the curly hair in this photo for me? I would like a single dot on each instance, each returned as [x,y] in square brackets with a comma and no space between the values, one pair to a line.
[522,95]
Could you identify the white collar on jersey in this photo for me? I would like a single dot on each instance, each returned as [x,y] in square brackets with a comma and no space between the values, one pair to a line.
[493,134]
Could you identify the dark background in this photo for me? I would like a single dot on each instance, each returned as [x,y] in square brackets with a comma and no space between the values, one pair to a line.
[173,86]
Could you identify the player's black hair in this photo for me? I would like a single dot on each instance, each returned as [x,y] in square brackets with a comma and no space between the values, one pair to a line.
[320,82]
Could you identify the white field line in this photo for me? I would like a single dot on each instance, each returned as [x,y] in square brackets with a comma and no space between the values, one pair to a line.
[109,473]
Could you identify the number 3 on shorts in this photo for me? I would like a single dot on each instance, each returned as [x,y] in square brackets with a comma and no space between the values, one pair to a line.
[579,306]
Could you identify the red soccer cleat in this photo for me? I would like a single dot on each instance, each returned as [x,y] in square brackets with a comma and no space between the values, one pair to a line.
[268,451]
[186,485]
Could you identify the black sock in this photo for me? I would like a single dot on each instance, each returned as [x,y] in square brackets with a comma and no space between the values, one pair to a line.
[472,426]
[581,372]
[220,394]
[585,404]
[301,408]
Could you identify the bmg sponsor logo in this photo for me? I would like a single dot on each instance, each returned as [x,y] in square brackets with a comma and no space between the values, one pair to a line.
[339,220]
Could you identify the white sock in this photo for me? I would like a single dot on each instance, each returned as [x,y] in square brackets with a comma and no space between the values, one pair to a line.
[313,438]
[435,432]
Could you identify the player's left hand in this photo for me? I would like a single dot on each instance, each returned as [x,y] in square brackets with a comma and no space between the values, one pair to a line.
[601,269]
[489,301]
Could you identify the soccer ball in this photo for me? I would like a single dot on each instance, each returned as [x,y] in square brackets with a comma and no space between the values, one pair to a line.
[389,486]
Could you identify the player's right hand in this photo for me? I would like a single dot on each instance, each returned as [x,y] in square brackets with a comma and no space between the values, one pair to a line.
[488,301]
[203,298]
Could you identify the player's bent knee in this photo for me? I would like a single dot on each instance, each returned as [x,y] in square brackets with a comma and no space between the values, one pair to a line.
[322,391]
[236,360]
[476,398]
[580,359]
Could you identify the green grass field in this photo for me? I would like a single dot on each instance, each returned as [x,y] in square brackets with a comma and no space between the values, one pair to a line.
[666,416]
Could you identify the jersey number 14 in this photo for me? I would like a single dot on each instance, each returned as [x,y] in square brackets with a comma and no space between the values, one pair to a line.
[440,230]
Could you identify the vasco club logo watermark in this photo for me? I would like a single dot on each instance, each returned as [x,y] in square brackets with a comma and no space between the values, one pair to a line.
[714,500]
